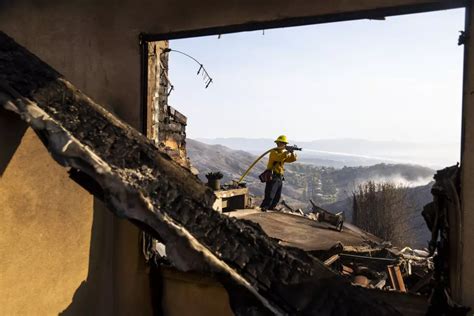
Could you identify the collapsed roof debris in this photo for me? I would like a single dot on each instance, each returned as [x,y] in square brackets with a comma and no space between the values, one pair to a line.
[144,185]
[362,258]
[378,265]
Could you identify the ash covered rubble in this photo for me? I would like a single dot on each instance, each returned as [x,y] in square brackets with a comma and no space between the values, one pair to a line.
[379,265]
[144,185]
[376,263]
[429,272]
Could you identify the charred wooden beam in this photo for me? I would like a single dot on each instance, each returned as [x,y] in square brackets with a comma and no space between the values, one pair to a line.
[144,185]
[396,278]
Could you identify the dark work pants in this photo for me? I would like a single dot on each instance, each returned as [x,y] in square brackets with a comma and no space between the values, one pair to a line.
[272,193]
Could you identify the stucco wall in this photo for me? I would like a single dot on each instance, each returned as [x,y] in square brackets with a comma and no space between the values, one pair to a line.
[45,229]
[61,251]
[83,44]
[192,294]
[73,257]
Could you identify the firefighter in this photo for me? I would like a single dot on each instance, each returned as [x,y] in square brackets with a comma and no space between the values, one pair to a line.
[278,157]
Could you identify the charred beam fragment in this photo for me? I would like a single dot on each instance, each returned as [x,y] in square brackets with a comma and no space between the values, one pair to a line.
[143,184]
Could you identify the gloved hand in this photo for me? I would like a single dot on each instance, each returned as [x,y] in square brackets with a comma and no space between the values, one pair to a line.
[291,149]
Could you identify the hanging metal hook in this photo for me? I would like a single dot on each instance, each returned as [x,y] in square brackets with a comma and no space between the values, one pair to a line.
[207,79]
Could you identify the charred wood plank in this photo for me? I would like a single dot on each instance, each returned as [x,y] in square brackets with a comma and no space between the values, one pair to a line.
[143,184]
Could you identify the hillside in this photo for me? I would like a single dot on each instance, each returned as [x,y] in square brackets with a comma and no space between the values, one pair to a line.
[356,152]
[327,186]
[303,181]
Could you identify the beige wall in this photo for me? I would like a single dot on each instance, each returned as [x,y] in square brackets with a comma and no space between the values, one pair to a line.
[83,45]
[45,227]
[194,295]
[61,251]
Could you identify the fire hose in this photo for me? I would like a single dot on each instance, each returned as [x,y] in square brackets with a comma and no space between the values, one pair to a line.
[289,148]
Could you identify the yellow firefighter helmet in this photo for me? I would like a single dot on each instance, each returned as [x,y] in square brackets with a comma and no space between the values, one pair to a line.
[281,139]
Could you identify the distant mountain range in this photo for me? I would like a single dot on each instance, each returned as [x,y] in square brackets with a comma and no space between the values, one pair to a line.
[327,186]
[356,152]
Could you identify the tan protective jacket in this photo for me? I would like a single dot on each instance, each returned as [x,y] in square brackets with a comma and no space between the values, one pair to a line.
[277,159]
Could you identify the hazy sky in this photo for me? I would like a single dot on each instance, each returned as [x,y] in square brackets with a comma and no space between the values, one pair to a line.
[398,79]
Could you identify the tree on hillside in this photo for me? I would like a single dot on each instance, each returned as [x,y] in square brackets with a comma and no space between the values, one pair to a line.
[383,209]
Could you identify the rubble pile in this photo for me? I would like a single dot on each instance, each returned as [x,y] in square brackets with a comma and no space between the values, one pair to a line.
[378,265]
[143,184]
[374,264]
